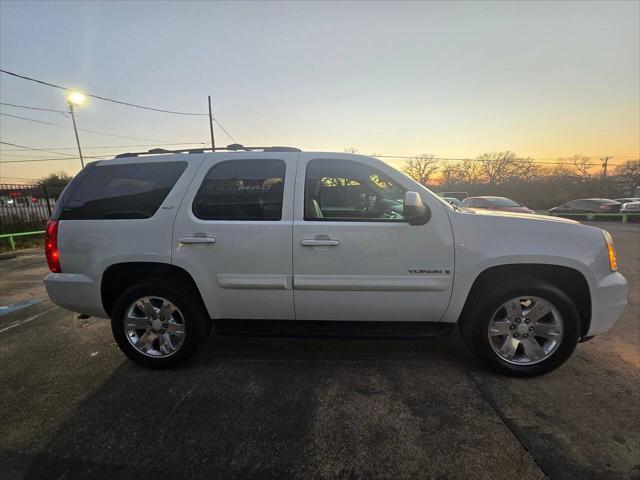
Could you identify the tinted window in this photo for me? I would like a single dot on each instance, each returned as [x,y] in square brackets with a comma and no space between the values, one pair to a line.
[343,190]
[124,191]
[242,190]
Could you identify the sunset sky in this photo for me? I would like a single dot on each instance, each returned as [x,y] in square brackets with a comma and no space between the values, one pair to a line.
[544,79]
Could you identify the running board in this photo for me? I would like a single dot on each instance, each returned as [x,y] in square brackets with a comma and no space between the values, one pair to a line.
[321,328]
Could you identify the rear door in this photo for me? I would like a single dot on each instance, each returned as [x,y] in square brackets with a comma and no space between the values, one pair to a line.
[233,234]
[355,257]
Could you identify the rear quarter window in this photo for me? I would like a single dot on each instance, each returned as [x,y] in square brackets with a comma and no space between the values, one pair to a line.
[125,191]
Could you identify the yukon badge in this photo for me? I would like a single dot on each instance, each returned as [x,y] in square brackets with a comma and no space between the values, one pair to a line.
[438,271]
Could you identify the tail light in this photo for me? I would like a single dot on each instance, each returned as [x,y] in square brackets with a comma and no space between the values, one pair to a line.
[51,246]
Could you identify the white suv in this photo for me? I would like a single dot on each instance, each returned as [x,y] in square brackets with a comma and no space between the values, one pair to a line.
[276,241]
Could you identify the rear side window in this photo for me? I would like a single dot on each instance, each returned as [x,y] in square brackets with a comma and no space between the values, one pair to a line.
[126,191]
[242,190]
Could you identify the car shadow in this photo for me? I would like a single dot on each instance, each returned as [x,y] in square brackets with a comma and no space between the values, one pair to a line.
[242,408]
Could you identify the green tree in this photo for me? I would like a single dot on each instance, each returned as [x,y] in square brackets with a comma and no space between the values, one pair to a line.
[55,182]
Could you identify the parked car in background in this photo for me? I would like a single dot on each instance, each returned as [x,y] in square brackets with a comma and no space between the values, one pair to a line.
[589,205]
[459,195]
[631,207]
[453,201]
[496,203]
[627,200]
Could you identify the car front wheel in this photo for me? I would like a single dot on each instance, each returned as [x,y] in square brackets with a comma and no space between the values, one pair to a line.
[523,327]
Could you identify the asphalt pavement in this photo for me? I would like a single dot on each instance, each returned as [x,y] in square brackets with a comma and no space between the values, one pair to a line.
[73,407]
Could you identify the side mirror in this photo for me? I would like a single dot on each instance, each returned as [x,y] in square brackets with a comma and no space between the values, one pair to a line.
[415,211]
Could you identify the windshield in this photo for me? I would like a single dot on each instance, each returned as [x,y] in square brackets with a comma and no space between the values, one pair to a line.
[604,201]
[503,202]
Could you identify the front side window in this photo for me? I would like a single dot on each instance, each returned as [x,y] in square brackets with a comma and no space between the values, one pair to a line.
[125,191]
[242,190]
[350,191]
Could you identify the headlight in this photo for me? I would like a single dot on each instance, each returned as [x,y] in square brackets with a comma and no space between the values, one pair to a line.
[611,251]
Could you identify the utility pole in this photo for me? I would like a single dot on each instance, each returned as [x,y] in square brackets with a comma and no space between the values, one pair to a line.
[605,164]
[213,142]
[75,129]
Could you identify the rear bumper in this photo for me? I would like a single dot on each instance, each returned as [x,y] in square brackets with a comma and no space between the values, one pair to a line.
[75,292]
[608,301]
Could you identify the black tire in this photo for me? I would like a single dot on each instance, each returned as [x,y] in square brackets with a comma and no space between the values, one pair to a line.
[486,300]
[197,323]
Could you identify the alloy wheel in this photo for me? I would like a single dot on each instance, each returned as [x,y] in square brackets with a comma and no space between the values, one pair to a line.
[525,330]
[154,326]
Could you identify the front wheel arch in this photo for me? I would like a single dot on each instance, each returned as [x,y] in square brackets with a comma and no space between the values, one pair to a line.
[569,280]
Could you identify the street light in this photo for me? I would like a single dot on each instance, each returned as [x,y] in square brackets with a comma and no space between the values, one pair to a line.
[76,98]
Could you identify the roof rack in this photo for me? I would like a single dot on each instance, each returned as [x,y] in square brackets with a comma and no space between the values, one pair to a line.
[234,147]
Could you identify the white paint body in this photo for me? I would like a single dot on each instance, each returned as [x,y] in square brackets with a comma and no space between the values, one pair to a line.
[260,269]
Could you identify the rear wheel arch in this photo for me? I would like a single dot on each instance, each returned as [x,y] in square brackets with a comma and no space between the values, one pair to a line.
[119,277]
[569,280]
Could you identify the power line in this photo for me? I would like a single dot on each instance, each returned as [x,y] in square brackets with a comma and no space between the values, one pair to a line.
[47,159]
[112,146]
[225,131]
[95,157]
[34,108]
[31,120]
[471,160]
[33,148]
[80,129]
[120,102]
[106,99]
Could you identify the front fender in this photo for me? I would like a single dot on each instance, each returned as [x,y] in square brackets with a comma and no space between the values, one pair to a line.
[483,242]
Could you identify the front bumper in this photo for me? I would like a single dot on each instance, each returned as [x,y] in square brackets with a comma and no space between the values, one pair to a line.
[608,300]
[75,292]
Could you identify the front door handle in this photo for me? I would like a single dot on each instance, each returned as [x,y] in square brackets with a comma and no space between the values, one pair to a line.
[316,242]
[194,240]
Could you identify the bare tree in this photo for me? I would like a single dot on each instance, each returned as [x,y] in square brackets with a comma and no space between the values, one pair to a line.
[528,171]
[452,174]
[422,168]
[629,173]
[467,171]
[497,167]
[578,166]
[470,171]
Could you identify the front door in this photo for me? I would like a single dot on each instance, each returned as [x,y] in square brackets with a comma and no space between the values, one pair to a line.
[354,255]
[233,234]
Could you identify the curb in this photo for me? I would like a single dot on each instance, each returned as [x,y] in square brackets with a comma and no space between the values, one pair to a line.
[17,253]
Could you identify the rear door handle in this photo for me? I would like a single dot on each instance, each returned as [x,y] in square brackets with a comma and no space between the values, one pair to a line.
[194,240]
[315,242]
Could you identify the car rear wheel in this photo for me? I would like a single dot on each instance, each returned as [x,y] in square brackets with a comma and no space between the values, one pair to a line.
[523,327]
[159,325]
